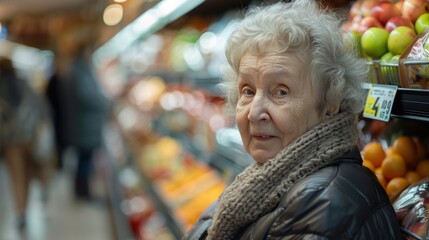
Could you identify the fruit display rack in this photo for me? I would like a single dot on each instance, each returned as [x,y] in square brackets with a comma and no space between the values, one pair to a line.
[411,104]
[173,224]
[115,194]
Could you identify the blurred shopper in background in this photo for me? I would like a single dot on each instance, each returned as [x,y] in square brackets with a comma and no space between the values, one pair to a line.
[26,135]
[88,120]
[59,96]
[79,105]
[294,85]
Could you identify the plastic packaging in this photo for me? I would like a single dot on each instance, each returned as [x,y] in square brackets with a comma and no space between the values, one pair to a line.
[412,210]
[414,63]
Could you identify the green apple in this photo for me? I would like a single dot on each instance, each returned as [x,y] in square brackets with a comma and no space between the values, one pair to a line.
[374,42]
[399,39]
[422,23]
[423,71]
[386,57]
[395,59]
[388,70]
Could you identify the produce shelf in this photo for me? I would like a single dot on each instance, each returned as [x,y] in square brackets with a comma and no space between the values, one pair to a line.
[122,228]
[173,224]
[411,104]
[229,157]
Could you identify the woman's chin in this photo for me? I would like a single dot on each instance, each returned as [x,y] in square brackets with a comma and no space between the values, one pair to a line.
[262,158]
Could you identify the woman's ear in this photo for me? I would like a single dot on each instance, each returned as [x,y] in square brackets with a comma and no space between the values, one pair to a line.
[331,111]
[327,114]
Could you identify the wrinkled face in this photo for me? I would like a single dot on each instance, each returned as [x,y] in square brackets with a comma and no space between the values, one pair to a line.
[276,104]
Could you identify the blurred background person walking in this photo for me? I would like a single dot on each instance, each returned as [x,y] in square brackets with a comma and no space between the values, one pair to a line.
[26,136]
[59,97]
[88,106]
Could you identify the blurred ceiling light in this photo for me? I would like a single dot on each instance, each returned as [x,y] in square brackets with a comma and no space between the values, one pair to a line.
[149,22]
[217,122]
[166,8]
[208,42]
[120,1]
[127,118]
[113,14]
[193,58]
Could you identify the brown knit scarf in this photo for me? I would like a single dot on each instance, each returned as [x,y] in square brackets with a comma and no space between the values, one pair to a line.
[259,188]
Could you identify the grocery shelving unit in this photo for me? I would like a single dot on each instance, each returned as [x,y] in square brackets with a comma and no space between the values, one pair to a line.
[122,228]
[411,104]
[172,222]
[229,157]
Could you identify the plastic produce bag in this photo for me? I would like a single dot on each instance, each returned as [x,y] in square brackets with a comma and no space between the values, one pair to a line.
[414,63]
[412,210]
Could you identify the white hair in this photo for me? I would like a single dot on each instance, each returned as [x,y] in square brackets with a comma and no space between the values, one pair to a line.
[304,28]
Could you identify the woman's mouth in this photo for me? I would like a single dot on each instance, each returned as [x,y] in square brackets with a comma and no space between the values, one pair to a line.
[262,137]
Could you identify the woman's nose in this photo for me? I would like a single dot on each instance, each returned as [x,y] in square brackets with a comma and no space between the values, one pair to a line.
[258,109]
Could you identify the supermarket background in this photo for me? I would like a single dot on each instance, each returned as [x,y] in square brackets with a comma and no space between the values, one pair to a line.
[169,149]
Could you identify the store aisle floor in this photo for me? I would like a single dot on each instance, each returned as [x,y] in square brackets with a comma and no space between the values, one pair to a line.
[60,216]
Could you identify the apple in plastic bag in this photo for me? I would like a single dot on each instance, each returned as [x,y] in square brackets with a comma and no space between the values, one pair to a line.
[398,21]
[399,39]
[422,23]
[384,11]
[419,228]
[411,210]
[374,42]
[414,220]
[423,70]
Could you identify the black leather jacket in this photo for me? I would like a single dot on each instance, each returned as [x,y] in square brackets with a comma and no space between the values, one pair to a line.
[341,201]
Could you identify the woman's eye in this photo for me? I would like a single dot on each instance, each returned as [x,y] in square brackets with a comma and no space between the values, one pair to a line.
[281,92]
[247,91]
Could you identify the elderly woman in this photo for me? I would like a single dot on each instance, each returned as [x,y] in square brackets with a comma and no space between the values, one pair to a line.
[295,86]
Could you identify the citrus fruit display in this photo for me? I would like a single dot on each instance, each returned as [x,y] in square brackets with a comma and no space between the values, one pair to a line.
[374,153]
[403,163]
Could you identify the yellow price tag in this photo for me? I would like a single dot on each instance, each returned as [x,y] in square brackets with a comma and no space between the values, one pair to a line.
[369,105]
[379,102]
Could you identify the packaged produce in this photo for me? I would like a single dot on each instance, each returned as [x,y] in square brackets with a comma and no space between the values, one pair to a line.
[414,63]
[412,210]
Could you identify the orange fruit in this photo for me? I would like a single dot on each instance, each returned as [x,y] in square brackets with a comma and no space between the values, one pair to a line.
[379,174]
[378,171]
[374,152]
[393,166]
[368,164]
[412,176]
[381,180]
[420,149]
[405,146]
[396,186]
[422,168]
[389,151]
